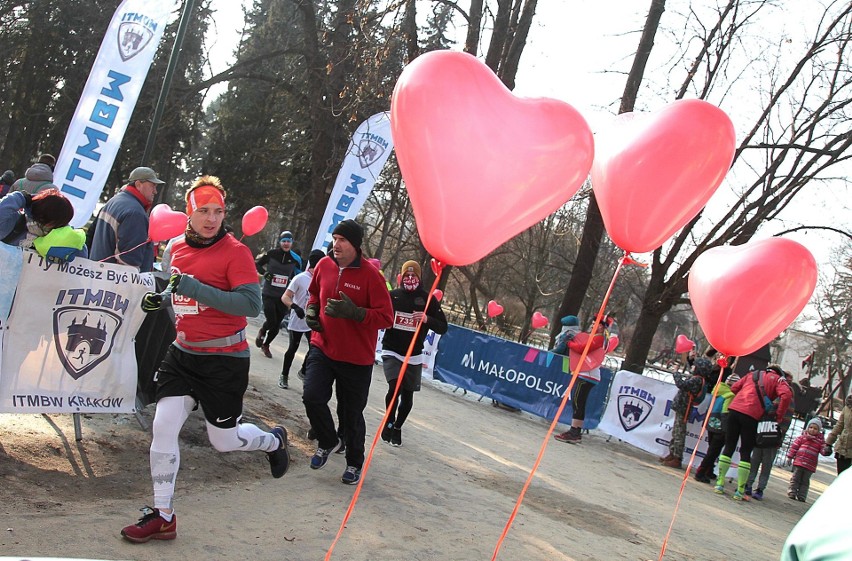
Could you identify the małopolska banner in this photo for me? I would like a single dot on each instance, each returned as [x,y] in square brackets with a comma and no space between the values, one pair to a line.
[513,374]
[368,151]
[68,346]
[107,102]
[639,413]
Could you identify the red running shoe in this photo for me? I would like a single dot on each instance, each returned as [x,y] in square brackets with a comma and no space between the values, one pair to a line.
[151,526]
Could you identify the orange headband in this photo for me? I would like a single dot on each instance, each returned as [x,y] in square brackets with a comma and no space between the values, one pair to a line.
[202,196]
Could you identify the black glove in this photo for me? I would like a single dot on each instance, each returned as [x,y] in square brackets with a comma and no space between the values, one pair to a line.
[344,308]
[312,317]
[151,302]
[297,309]
[174,281]
[268,277]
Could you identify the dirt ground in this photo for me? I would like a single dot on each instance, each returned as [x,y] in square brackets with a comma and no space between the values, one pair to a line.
[445,495]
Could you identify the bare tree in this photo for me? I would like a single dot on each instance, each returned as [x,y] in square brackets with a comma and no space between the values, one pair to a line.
[833,303]
[799,135]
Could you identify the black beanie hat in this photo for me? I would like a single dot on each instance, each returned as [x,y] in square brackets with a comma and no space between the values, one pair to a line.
[314,256]
[350,230]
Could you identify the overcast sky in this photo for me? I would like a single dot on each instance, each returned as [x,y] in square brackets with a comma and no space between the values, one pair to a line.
[579,52]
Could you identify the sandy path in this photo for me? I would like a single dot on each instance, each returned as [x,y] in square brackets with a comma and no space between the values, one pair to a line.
[445,495]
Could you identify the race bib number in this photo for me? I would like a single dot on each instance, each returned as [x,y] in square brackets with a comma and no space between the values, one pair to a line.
[280,281]
[183,305]
[404,321]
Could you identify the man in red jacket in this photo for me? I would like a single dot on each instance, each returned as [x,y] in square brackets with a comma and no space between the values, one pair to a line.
[348,304]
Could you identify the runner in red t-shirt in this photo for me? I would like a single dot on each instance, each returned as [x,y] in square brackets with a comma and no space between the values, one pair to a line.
[214,287]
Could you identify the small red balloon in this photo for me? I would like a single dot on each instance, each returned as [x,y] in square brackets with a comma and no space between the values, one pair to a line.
[683,344]
[494,309]
[538,320]
[254,220]
[439,294]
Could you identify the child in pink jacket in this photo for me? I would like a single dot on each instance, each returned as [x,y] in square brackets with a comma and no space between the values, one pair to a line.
[805,452]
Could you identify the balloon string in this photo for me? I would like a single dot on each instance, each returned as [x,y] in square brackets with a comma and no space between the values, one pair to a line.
[126,251]
[623,261]
[369,457]
[688,464]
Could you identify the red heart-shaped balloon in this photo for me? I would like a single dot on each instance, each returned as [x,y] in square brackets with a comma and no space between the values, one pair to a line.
[538,320]
[165,223]
[494,309]
[653,173]
[480,164]
[683,344]
[439,294]
[744,296]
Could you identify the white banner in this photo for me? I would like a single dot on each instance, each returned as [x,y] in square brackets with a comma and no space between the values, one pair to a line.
[430,350]
[639,413]
[368,151]
[68,346]
[107,102]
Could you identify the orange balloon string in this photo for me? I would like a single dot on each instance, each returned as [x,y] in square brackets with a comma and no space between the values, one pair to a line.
[688,464]
[576,371]
[369,457]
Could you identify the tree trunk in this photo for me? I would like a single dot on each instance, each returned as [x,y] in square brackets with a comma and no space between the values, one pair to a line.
[513,57]
[593,230]
[581,275]
[471,42]
[643,335]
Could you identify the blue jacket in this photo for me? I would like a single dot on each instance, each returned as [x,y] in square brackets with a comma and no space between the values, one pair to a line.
[13,217]
[122,226]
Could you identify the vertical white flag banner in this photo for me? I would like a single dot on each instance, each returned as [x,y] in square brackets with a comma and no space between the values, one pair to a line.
[68,345]
[107,102]
[368,151]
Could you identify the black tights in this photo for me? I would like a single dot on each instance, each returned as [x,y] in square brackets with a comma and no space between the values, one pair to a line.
[290,354]
[399,410]
[274,311]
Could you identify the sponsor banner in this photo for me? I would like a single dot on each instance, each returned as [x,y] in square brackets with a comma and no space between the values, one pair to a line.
[69,343]
[366,156]
[106,104]
[639,412]
[513,374]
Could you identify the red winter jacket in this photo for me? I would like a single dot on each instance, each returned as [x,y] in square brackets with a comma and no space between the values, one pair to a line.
[347,340]
[746,400]
[805,451]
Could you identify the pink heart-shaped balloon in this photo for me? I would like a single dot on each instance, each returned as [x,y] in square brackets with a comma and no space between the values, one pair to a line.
[480,164]
[165,223]
[683,344]
[744,296]
[494,309]
[538,320]
[439,294]
[653,173]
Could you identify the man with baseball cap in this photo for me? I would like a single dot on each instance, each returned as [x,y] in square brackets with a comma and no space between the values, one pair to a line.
[348,304]
[119,233]
[278,266]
